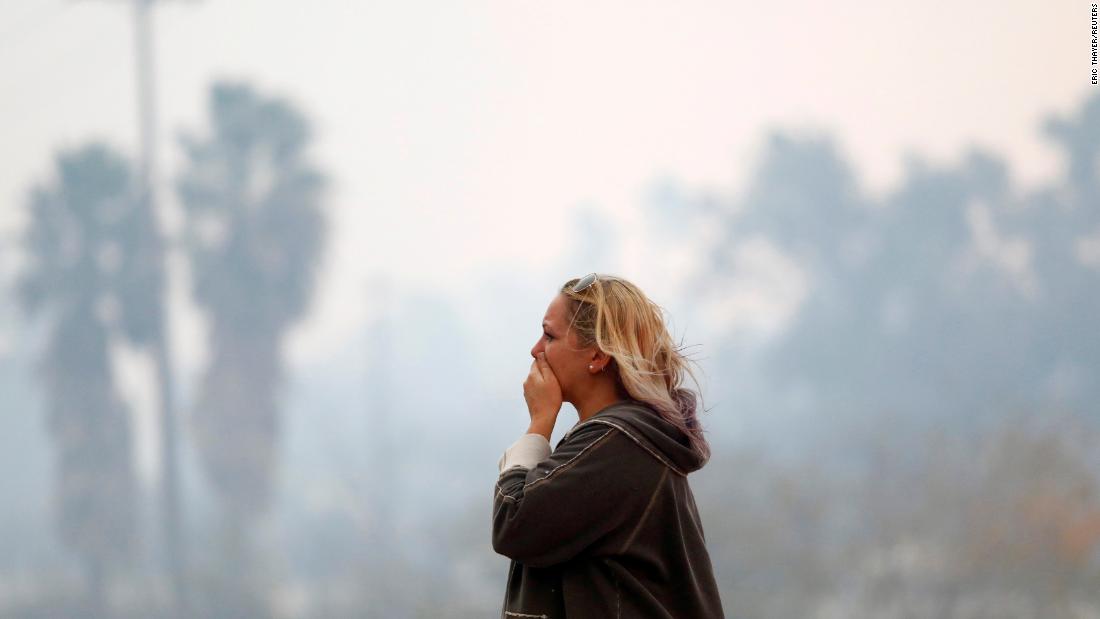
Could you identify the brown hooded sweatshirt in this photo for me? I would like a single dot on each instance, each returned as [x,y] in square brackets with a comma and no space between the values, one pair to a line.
[606,526]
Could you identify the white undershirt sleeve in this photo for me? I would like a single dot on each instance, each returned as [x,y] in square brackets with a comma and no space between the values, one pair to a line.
[527,451]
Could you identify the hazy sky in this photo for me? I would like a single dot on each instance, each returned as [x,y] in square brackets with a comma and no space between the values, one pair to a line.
[463,135]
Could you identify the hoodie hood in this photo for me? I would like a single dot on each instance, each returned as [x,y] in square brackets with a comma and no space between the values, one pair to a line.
[646,427]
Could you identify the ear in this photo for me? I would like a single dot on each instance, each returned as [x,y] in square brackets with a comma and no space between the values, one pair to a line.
[600,359]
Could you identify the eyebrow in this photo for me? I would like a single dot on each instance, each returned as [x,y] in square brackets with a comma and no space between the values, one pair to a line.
[545,325]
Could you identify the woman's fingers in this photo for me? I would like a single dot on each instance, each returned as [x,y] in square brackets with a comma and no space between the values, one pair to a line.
[543,365]
[541,389]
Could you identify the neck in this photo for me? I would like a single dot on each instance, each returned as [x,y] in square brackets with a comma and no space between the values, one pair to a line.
[604,394]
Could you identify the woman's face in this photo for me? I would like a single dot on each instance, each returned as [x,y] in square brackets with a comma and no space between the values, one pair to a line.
[570,365]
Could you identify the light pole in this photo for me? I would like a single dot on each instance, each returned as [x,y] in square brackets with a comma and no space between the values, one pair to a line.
[170,504]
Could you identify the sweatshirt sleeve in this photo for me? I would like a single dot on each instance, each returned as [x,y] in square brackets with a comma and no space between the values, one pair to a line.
[596,481]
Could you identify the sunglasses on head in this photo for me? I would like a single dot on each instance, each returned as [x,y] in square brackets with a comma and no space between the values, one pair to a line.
[584,282]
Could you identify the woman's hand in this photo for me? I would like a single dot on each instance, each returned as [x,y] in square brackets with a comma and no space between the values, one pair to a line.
[543,395]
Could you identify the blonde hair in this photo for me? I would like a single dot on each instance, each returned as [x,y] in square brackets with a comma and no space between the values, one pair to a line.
[619,319]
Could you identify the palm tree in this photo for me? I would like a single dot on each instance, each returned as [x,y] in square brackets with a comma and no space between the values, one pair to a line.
[78,257]
[254,231]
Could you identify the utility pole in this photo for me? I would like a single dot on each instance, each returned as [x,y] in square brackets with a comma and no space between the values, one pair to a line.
[170,505]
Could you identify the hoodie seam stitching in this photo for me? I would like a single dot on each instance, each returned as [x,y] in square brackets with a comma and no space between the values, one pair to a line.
[527,486]
[591,420]
[570,463]
[638,441]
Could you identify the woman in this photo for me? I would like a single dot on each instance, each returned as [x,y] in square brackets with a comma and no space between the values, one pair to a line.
[606,524]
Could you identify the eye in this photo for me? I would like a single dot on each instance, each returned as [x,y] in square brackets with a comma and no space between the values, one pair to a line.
[548,336]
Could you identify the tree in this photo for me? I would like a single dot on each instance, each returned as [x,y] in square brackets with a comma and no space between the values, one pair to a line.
[78,279]
[254,232]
